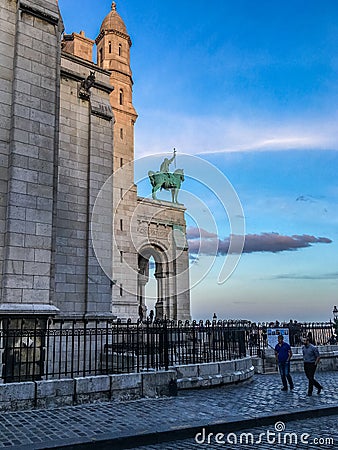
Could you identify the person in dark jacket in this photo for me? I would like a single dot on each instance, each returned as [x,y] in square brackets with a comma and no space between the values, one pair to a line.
[283,355]
[311,360]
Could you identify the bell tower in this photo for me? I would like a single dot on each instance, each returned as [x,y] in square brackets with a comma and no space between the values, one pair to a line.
[142,227]
[113,54]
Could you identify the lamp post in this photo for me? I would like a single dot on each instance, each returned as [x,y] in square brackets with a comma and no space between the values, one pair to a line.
[335,319]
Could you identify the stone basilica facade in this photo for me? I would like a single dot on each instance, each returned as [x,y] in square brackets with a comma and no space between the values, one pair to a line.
[67,130]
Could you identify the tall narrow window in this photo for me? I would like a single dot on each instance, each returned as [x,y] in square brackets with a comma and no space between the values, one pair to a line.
[121,133]
[121,162]
[121,256]
[120,49]
[121,290]
[109,47]
[121,193]
[121,224]
[101,55]
[121,96]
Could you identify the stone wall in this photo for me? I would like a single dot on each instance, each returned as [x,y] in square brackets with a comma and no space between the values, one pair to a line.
[56,393]
[85,163]
[214,374]
[30,52]
[56,152]
[7,40]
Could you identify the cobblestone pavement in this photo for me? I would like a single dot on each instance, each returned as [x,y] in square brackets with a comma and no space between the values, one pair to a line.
[319,433]
[59,427]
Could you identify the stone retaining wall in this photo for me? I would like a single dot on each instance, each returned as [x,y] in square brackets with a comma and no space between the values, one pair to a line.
[55,393]
[213,374]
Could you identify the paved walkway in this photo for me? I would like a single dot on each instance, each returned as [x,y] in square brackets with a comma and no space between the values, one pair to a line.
[147,421]
[309,434]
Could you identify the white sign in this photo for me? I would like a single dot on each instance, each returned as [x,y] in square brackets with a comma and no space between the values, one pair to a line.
[273,334]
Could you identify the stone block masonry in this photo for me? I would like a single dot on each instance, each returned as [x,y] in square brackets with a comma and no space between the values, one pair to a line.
[63,392]
[85,163]
[212,374]
[120,387]
[30,41]
[56,152]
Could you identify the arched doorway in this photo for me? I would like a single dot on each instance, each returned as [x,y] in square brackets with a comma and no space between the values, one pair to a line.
[156,255]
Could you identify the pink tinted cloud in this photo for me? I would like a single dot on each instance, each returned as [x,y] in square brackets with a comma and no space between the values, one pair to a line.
[202,242]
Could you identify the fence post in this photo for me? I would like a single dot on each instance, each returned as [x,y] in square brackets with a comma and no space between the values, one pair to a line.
[165,346]
[242,346]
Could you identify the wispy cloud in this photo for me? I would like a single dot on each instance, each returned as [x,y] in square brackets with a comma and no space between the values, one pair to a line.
[306,198]
[292,276]
[210,134]
[202,242]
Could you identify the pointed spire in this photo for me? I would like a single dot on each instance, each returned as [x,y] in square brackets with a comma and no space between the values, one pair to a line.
[113,6]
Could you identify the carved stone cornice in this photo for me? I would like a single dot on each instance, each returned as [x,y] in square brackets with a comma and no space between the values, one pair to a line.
[112,31]
[41,13]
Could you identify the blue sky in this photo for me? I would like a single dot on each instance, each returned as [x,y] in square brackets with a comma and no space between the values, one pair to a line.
[252,87]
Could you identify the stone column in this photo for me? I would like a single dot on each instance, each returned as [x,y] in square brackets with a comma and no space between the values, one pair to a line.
[181,305]
[7,47]
[183,289]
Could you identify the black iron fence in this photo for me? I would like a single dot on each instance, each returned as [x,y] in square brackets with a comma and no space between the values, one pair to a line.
[33,349]
[259,334]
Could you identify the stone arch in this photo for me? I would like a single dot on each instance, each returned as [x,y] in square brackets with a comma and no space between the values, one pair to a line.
[162,306]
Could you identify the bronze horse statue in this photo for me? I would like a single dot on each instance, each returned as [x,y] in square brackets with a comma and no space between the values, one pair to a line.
[167,181]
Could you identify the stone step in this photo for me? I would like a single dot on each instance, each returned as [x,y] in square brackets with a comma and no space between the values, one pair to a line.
[270,370]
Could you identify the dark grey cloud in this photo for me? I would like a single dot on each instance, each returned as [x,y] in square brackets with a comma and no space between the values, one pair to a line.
[202,242]
[275,242]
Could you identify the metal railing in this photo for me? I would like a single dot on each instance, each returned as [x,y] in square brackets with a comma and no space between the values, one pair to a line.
[33,349]
[36,349]
[320,333]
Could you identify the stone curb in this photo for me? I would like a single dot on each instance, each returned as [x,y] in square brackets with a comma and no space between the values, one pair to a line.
[233,424]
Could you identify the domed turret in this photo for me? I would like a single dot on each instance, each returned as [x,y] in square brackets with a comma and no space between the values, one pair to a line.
[113,43]
[113,21]
[113,54]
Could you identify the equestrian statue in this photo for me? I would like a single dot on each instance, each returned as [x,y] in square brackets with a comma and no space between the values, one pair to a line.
[166,180]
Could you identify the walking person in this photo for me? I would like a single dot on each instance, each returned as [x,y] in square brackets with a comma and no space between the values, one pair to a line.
[283,355]
[311,360]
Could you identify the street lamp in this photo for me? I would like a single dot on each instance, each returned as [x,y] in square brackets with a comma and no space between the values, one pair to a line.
[335,319]
[335,313]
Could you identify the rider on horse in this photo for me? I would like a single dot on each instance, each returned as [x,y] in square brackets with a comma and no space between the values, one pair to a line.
[166,180]
[164,168]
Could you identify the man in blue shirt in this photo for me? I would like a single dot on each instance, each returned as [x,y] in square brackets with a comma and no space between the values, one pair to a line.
[283,355]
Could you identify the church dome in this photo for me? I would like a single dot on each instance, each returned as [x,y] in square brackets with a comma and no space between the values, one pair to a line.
[113,21]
